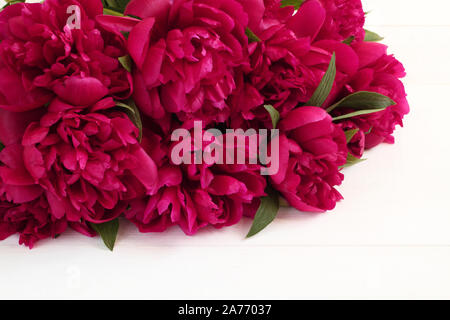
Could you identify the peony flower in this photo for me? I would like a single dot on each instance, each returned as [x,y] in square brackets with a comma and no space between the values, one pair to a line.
[32,221]
[314,149]
[320,19]
[194,196]
[286,66]
[344,19]
[378,72]
[357,143]
[87,163]
[186,53]
[42,57]
[277,75]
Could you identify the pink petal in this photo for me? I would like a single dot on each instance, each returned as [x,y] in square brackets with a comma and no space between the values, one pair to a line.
[152,65]
[308,20]
[23,194]
[283,161]
[369,52]
[147,172]
[80,91]
[14,97]
[139,40]
[158,9]
[34,162]
[255,10]
[147,101]
[92,7]
[117,24]
[302,116]
[34,134]
[347,60]
[225,185]
[14,124]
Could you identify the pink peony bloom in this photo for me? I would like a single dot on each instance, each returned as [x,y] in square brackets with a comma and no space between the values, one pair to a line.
[42,57]
[378,72]
[357,144]
[194,196]
[186,53]
[277,75]
[316,19]
[318,60]
[285,68]
[344,19]
[314,149]
[87,164]
[31,220]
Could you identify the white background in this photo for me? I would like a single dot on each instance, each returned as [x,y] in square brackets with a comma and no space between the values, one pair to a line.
[389,238]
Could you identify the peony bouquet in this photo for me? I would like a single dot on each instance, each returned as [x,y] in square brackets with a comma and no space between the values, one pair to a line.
[194,113]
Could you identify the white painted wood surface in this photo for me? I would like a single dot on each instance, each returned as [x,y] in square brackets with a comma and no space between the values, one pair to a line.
[389,238]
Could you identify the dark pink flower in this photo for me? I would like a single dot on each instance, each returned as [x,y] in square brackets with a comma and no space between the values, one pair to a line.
[186,53]
[312,149]
[41,56]
[321,19]
[288,63]
[344,19]
[31,220]
[357,143]
[378,72]
[194,196]
[87,164]
[277,75]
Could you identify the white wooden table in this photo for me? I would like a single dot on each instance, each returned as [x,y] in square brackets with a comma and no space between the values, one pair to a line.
[389,238]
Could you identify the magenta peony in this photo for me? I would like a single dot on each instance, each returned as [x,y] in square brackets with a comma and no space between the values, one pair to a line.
[87,164]
[42,57]
[288,63]
[344,19]
[379,72]
[357,143]
[316,19]
[194,196]
[277,75]
[32,221]
[314,150]
[186,53]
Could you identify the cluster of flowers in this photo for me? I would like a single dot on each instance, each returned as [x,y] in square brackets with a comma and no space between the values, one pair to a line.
[86,113]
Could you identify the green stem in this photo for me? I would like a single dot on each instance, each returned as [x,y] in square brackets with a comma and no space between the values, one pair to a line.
[112,12]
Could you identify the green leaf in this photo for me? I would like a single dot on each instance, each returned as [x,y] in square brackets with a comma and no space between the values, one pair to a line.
[356,113]
[2,146]
[126,62]
[267,212]
[350,134]
[11,2]
[351,160]
[252,37]
[349,40]
[325,85]
[133,113]
[363,100]
[114,7]
[372,36]
[295,3]
[111,12]
[108,232]
[274,114]
[283,202]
